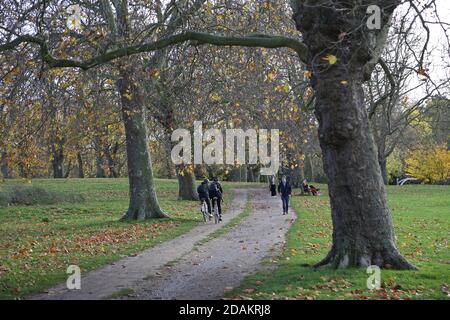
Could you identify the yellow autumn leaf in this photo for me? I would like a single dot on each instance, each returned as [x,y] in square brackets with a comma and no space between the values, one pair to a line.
[344,82]
[127,95]
[270,76]
[307,74]
[309,92]
[330,58]
[215,97]
[155,73]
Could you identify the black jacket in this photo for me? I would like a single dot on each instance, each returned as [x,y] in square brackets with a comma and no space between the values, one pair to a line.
[285,190]
[215,190]
[203,191]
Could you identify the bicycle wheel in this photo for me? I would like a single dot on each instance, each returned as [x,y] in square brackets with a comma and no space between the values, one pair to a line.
[216,211]
[204,211]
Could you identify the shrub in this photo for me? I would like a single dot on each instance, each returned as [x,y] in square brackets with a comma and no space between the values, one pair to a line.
[32,195]
[4,199]
[431,165]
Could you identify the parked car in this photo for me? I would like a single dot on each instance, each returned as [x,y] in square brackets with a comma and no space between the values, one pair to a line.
[404,181]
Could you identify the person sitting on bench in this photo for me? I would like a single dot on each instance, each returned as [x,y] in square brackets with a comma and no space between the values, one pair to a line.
[305,186]
[314,191]
[309,189]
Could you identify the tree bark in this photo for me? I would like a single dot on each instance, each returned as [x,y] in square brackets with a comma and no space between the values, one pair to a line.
[111,164]
[68,170]
[168,161]
[251,174]
[143,200]
[363,234]
[80,166]
[99,171]
[186,183]
[58,160]
[383,168]
[4,166]
[380,142]
[243,173]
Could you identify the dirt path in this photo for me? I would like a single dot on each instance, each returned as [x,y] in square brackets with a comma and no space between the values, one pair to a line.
[195,272]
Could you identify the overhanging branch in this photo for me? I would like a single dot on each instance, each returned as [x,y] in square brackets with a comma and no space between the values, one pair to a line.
[389,94]
[261,41]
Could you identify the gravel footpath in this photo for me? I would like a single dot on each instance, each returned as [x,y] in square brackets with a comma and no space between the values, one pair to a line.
[178,269]
[221,264]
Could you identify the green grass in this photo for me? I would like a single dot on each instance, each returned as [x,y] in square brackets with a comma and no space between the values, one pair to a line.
[38,242]
[421,217]
[28,194]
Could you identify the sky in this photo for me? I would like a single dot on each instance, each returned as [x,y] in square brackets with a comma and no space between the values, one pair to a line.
[438,59]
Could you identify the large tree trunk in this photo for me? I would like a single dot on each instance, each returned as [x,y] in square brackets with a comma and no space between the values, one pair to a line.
[58,160]
[99,171]
[185,173]
[143,200]
[68,170]
[243,173]
[4,166]
[235,174]
[186,183]
[362,227]
[111,164]
[80,165]
[168,159]
[380,141]
[383,167]
[363,234]
[251,174]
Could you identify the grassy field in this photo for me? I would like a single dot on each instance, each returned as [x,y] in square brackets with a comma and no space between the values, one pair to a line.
[422,223]
[38,242]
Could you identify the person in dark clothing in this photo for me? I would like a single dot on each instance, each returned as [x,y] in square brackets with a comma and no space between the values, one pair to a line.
[203,194]
[305,186]
[273,186]
[314,190]
[216,195]
[309,189]
[285,190]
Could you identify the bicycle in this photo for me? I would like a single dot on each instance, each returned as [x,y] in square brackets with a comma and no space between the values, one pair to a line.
[216,210]
[204,211]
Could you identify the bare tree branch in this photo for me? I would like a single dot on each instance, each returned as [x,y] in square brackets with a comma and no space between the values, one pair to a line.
[200,38]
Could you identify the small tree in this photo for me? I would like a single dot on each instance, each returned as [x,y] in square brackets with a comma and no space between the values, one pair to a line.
[430,165]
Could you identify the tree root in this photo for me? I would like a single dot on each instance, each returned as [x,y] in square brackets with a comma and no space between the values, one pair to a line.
[389,259]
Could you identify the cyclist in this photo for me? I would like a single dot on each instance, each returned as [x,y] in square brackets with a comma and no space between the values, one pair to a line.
[215,194]
[203,194]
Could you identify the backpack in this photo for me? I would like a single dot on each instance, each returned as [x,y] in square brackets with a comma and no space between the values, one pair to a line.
[202,189]
[214,190]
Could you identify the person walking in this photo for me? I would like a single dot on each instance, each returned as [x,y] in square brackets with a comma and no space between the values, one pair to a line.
[285,190]
[272,186]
